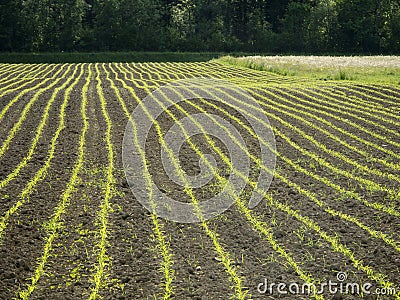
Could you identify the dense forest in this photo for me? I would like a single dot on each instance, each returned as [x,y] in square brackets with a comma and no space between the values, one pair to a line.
[268,26]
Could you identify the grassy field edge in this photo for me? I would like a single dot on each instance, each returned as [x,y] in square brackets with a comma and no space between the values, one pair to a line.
[298,66]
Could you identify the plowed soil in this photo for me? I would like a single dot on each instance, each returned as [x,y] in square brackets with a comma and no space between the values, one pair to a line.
[345,213]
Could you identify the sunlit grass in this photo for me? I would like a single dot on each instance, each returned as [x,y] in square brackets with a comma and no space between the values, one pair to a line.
[373,69]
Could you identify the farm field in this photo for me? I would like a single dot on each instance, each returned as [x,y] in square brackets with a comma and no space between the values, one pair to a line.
[70,227]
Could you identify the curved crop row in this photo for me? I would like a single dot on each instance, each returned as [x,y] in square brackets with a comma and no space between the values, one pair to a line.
[55,224]
[365,182]
[27,90]
[222,253]
[343,249]
[22,71]
[39,132]
[99,271]
[307,106]
[331,110]
[305,192]
[329,151]
[23,197]
[158,228]
[353,95]
[4,68]
[255,224]
[329,183]
[25,81]
[378,90]
[298,113]
[369,184]
[352,107]
[333,240]
[318,97]
[25,111]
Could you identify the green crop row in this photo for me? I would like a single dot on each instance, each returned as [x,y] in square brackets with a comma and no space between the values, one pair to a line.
[55,223]
[322,108]
[378,277]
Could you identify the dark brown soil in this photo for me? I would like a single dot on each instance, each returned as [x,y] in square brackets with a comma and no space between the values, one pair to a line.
[133,262]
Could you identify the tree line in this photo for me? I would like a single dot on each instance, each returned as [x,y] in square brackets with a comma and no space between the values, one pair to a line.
[268,26]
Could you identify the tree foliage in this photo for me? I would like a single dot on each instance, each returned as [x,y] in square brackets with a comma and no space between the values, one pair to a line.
[346,26]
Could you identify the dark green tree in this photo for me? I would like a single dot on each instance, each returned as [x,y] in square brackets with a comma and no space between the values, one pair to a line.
[11,34]
[358,25]
[346,26]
